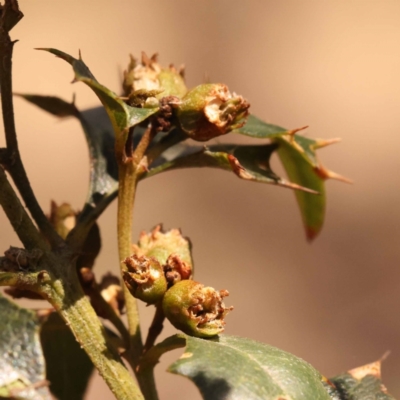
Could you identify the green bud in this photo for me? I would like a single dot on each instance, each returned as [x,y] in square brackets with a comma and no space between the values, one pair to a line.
[210,110]
[195,309]
[149,76]
[170,249]
[172,82]
[145,279]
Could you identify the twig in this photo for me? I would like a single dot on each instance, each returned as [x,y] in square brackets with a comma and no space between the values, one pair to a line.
[155,329]
[18,217]
[10,15]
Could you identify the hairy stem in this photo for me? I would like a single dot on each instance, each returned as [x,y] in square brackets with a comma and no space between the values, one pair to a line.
[67,297]
[128,178]
[72,305]
[55,279]
[126,195]
[109,312]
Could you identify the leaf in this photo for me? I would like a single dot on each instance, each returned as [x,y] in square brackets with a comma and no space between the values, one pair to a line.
[230,367]
[300,170]
[247,162]
[361,383]
[68,366]
[121,115]
[52,104]
[256,128]
[100,140]
[298,156]
[22,366]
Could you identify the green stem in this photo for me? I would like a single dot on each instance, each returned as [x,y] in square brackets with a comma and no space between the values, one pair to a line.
[109,312]
[128,178]
[72,304]
[126,196]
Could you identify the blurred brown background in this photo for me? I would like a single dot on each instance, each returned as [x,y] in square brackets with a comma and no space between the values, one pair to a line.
[333,65]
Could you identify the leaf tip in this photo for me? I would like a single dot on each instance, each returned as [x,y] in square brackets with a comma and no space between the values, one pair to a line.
[312,233]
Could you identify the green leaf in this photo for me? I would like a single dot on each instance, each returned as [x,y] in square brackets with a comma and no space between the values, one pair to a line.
[122,116]
[247,162]
[68,366]
[298,156]
[361,383]
[22,366]
[258,129]
[229,367]
[300,170]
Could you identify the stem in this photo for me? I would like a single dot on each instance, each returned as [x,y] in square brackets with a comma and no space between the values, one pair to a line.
[19,219]
[156,328]
[128,178]
[72,304]
[90,333]
[109,312]
[126,196]
[55,279]
[13,162]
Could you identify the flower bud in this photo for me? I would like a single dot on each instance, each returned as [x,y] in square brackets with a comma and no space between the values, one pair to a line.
[210,110]
[170,249]
[145,278]
[148,76]
[195,309]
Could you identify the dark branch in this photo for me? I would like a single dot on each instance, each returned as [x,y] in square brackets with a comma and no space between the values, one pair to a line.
[18,217]
[11,159]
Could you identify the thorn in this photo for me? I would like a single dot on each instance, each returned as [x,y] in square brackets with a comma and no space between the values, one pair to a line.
[327,174]
[385,356]
[326,142]
[181,70]
[294,131]
[295,186]
[80,55]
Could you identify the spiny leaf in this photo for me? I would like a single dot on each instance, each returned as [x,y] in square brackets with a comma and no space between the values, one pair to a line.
[122,116]
[22,364]
[68,366]
[247,162]
[230,367]
[298,156]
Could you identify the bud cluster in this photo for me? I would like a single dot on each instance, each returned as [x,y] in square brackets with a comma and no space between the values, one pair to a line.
[205,112]
[160,272]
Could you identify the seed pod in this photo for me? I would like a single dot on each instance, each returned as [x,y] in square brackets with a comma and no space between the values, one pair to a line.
[210,110]
[195,309]
[145,278]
